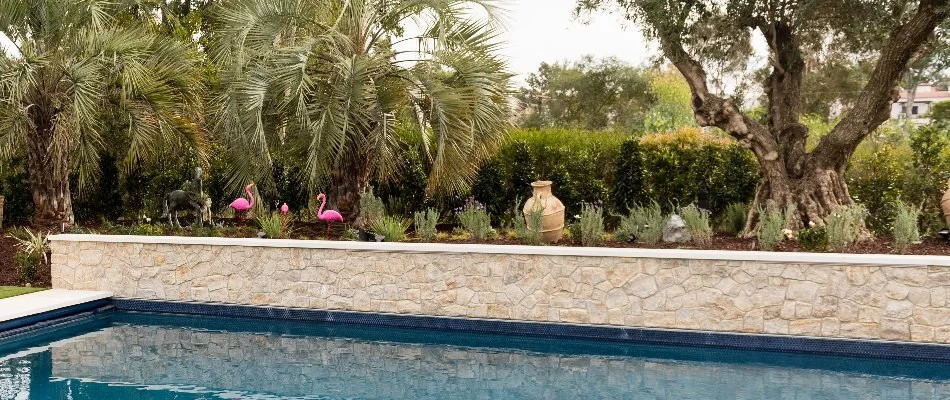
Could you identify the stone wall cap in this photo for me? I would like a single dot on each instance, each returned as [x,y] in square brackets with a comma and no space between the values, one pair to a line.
[682,254]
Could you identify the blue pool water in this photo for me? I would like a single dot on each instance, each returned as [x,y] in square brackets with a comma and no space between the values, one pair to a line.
[147,356]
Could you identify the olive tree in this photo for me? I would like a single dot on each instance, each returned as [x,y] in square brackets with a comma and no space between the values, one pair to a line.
[696,34]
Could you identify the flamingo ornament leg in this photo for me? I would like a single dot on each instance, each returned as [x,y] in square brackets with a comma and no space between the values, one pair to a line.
[327,216]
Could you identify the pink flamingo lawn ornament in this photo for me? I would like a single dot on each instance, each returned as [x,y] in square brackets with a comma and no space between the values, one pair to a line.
[327,216]
[241,204]
[284,209]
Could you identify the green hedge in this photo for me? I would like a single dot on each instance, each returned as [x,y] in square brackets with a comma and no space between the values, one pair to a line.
[678,165]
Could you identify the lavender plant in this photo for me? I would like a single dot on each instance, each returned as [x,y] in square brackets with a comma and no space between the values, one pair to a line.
[474,219]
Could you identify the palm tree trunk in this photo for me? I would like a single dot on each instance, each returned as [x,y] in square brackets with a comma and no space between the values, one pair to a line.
[49,179]
[350,179]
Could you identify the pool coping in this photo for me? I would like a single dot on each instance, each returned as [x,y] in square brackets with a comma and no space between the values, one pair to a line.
[427,248]
[848,347]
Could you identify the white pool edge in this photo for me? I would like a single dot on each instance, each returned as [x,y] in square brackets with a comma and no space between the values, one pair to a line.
[30,304]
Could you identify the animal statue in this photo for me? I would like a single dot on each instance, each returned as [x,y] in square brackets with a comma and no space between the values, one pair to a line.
[190,198]
[327,216]
[241,205]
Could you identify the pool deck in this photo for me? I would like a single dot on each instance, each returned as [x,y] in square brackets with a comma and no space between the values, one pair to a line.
[27,305]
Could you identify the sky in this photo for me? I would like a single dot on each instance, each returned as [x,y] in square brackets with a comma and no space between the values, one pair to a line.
[547,31]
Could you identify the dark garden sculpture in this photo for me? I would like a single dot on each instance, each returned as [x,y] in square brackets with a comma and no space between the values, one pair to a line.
[190,198]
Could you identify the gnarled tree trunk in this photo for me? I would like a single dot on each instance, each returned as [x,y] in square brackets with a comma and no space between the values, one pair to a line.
[811,183]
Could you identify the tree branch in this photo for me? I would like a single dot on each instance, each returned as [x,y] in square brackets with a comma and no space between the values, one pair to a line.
[872,107]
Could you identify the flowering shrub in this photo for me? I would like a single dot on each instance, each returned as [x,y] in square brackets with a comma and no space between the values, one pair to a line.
[474,219]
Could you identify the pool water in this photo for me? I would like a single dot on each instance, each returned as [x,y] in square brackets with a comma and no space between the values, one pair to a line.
[148,356]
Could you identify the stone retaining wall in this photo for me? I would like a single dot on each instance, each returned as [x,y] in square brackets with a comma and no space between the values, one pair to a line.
[738,293]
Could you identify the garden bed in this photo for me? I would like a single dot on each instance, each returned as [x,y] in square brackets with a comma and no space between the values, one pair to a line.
[316,231]
[8,270]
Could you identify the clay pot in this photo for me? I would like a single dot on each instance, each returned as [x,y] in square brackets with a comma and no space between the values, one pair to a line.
[552,220]
[946,204]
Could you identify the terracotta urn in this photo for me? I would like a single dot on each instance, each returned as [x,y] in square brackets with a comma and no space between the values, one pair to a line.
[552,220]
[946,204]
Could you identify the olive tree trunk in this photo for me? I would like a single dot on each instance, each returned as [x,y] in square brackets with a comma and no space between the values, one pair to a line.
[810,182]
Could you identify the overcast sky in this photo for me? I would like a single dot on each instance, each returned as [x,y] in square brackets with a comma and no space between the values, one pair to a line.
[546,31]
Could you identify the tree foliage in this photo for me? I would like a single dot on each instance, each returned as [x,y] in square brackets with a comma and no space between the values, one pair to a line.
[86,75]
[606,94]
[327,82]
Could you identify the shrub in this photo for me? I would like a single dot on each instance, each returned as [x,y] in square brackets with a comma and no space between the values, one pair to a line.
[876,178]
[772,226]
[643,223]
[697,223]
[591,224]
[734,218]
[426,222]
[813,239]
[628,178]
[146,229]
[275,225]
[474,219]
[844,225]
[677,164]
[529,228]
[390,227]
[372,208]
[32,250]
[906,230]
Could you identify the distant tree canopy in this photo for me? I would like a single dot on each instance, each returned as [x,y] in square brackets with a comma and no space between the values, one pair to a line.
[605,94]
[701,38]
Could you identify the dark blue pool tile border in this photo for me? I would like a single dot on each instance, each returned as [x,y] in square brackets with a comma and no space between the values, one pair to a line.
[739,341]
[55,319]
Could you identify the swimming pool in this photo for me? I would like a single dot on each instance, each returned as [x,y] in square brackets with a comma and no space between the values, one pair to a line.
[125,355]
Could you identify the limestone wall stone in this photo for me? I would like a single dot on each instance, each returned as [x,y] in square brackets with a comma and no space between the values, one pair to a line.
[904,302]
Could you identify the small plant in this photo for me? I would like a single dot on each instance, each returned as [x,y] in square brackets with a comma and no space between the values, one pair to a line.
[426,222]
[372,208]
[528,228]
[906,229]
[591,224]
[147,229]
[697,223]
[474,219]
[772,228]
[275,225]
[644,223]
[845,225]
[813,239]
[734,218]
[32,249]
[392,228]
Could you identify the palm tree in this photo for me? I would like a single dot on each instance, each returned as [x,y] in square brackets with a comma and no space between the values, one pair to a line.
[333,82]
[76,66]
